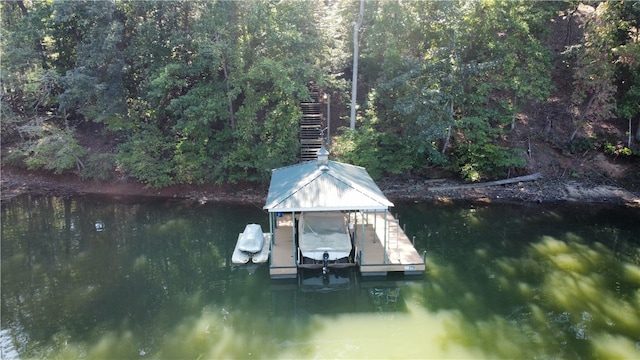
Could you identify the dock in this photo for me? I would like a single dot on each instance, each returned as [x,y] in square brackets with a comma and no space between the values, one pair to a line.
[387,250]
[379,246]
[283,264]
[384,248]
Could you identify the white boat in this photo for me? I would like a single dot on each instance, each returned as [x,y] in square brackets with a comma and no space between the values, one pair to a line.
[324,236]
[252,246]
[251,239]
[262,256]
[239,256]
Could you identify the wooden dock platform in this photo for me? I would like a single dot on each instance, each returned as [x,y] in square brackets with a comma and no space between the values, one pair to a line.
[283,263]
[385,247]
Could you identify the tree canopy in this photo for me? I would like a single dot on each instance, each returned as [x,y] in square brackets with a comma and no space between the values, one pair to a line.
[209,91]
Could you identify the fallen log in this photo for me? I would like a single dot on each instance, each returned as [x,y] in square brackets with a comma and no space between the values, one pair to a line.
[433,181]
[518,179]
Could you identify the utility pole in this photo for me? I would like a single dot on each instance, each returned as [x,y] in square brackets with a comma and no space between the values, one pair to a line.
[354,79]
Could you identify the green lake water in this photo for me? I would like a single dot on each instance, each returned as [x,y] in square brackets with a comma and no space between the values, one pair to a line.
[140,278]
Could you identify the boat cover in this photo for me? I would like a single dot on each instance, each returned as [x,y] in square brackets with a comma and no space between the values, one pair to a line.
[263,255]
[243,257]
[324,232]
[251,240]
[239,256]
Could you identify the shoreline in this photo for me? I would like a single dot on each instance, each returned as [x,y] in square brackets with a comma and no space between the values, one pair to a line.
[16,182]
[536,192]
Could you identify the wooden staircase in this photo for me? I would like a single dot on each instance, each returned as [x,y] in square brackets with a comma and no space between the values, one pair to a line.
[310,134]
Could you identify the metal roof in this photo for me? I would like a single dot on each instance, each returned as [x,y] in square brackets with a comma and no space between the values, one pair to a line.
[313,186]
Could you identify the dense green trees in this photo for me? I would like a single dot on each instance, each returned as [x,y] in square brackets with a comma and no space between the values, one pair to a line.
[220,103]
[209,91]
[455,76]
[607,67]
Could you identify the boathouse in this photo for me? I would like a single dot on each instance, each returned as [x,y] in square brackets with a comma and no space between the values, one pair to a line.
[380,246]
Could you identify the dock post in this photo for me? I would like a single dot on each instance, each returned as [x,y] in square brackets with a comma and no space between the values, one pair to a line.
[398,233]
[273,225]
[386,243]
[272,239]
[375,220]
[293,235]
[362,232]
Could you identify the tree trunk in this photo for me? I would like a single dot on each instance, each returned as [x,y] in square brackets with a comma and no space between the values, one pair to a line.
[583,116]
[629,139]
[567,39]
[446,141]
[515,113]
[232,115]
[354,79]
[548,125]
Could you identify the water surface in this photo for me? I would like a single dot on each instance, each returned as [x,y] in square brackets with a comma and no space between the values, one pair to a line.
[97,277]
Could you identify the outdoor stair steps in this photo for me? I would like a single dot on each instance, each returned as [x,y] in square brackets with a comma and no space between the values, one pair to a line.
[310,132]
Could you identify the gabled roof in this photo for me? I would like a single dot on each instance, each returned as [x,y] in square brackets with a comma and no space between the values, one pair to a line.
[335,186]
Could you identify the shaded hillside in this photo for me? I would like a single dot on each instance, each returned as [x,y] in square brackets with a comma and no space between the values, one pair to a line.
[213,96]
[548,127]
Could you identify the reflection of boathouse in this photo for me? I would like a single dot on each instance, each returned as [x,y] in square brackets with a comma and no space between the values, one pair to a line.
[325,214]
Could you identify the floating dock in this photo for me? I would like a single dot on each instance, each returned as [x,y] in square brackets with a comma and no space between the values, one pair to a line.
[382,247]
[379,245]
[388,249]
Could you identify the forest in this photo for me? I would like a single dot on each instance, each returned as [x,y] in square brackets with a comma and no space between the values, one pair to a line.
[195,92]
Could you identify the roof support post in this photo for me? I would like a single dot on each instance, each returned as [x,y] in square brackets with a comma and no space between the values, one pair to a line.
[386,229]
[375,224]
[362,231]
[293,235]
[273,238]
[271,223]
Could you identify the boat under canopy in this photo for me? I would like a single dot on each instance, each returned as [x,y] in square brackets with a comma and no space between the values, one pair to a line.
[324,236]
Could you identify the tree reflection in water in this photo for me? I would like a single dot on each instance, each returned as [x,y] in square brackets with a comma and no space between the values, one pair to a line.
[156,282]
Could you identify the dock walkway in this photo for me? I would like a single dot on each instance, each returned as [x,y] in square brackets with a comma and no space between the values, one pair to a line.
[379,254]
[393,252]
[283,263]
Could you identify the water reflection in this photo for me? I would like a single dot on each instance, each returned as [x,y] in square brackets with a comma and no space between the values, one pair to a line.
[532,282]
[157,282]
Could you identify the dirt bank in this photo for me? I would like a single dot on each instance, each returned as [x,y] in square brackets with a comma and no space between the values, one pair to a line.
[15,181]
[18,181]
[539,191]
